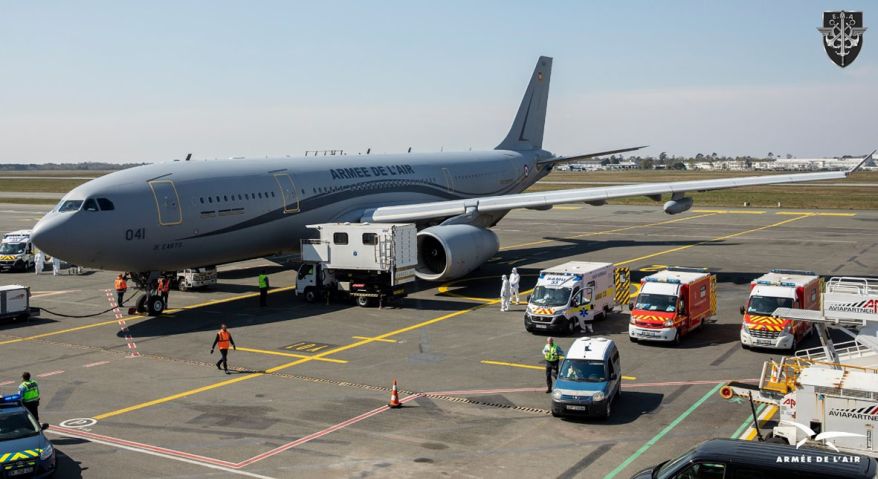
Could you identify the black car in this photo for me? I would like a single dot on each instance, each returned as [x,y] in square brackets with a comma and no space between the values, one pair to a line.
[734,459]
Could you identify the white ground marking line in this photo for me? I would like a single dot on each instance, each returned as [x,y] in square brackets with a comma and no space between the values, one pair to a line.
[158,454]
[7,383]
[99,363]
[132,346]
[50,373]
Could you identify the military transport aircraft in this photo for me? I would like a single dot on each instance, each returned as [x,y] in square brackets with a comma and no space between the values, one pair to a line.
[182,214]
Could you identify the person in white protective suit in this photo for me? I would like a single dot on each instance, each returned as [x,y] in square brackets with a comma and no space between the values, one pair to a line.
[514,280]
[505,294]
[56,265]
[39,262]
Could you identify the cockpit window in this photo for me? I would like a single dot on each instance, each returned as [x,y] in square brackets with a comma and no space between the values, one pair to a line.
[105,204]
[90,205]
[69,205]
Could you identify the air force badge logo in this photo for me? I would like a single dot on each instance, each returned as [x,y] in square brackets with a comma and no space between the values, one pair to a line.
[842,36]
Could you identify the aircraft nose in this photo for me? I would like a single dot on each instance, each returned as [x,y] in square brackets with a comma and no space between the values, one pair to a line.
[48,235]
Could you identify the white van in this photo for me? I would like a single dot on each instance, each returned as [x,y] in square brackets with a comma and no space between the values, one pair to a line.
[589,379]
[565,292]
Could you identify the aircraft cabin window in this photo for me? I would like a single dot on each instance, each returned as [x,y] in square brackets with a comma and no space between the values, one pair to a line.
[209,199]
[90,205]
[272,194]
[340,238]
[107,205]
[202,200]
[246,196]
[239,198]
[69,205]
[260,196]
[225,198]
[217,199]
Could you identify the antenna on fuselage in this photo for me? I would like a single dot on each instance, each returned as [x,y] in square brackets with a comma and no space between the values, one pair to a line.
[410,149]
[188,156]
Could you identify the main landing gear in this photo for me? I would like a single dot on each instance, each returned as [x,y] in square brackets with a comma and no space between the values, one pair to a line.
[150,301]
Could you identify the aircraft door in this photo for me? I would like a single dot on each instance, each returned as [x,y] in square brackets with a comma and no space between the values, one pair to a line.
[167,202]
[288,191]
[449,182]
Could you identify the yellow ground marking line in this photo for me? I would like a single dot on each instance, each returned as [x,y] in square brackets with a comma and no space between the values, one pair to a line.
[221,301]
[53,333]
[732,212]
[616,230]
[381,340]
[566,207]
[792,213]
[718,238]
[289,355]
[43,294]
[136,317]
[530,366]
[315,357]
[763,418]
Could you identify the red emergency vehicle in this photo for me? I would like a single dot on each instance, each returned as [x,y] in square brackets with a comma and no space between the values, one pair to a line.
[672,303]
[781,288]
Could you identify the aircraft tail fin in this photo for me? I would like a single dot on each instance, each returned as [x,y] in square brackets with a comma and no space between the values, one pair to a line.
[527,129]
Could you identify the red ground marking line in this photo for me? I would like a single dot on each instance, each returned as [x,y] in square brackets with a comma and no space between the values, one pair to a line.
[685,383]
[486,391]
[122,442]
[218,462]
[132,346]
[50,373]
[319,434]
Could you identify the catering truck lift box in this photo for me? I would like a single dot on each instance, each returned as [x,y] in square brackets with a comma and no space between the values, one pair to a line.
[365,261]
[565,292]
[672,303]
[779,289]
[194,278]
[15,302]
[16,251]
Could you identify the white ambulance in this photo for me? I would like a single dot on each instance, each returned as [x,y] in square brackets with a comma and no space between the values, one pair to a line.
[565,292]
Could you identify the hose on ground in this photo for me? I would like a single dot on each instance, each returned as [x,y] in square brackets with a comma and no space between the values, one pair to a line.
[80,316]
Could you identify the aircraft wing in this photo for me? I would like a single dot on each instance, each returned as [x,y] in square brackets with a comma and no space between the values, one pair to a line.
[545,200]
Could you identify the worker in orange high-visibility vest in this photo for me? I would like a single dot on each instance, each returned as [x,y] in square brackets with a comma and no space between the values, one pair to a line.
[164,289]
[121,287]
[223,340]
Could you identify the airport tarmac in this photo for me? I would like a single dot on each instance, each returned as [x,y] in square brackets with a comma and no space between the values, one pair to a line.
[310,382]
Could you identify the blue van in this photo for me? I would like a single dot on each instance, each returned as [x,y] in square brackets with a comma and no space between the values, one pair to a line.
[589,379]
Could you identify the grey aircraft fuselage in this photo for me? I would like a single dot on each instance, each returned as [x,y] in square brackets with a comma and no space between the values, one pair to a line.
[182,214]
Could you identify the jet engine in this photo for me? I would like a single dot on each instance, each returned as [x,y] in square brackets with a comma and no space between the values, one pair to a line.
[680,205]
[451,251]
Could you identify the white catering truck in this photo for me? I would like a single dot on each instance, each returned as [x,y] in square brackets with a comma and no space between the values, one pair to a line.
[16,251]
[366,261]
[565,292]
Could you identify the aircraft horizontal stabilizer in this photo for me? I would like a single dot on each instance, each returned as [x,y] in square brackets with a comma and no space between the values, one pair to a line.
[559,159]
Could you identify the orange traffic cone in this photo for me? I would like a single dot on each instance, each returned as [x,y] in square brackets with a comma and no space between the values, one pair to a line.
[394,397]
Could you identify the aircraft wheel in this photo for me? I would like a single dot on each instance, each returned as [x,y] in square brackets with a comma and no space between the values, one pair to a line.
[155,305]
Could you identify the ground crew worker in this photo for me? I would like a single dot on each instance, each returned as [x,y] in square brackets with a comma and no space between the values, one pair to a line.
[56,266]
[505,294]
[164,289]
[552,354]
[121,287]
[30,395]
[223,340]
[514,281]
[39,262]
[263,289]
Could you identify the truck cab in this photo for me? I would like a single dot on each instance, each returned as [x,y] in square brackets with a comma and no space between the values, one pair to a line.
[589,379]
[16,251]
[778,289]
[567,292]
[672,303]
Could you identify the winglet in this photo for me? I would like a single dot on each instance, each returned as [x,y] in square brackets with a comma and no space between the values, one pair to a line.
[861,163]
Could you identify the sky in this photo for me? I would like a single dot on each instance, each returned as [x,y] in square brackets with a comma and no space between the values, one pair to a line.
[124,81]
